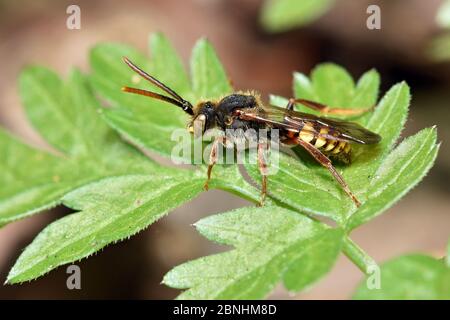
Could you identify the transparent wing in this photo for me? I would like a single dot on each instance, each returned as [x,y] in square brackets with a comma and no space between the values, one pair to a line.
[336,129]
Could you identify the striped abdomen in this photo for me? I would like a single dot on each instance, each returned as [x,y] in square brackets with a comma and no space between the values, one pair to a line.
[315,135]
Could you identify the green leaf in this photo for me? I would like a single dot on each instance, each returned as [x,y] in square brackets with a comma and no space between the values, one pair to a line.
[388,121]
[37,180]
[304,186]
[447,258]
[23,195]
[148,123]
[208,76]
[111,210]
[443,15]
[410,277]
[332,85]
[271,244]
[400,172]
[282,15]
[42,95]
[167,65]
[438,49]
[366,91]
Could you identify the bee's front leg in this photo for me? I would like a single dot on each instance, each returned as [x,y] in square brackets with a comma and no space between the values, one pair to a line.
[213,158]
[262,165]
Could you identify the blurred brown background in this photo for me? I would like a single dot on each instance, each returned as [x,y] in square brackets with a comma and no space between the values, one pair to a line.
[35,32]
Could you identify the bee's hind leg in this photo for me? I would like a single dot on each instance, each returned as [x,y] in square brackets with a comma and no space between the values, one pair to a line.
[324,109]
[325,161]
[263,169]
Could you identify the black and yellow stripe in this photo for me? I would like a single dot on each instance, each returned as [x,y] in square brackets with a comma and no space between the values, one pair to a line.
[315,135]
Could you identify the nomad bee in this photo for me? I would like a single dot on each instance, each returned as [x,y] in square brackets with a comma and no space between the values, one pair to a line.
[323,138]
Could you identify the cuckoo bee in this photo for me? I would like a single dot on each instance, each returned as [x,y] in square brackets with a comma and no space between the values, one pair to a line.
[323,138]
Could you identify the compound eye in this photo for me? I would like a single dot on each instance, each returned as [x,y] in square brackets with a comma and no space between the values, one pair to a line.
[198,125]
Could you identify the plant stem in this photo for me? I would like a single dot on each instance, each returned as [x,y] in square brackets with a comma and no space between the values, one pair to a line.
[357,255]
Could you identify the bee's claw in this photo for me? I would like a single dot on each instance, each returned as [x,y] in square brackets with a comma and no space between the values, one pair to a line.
[261,201]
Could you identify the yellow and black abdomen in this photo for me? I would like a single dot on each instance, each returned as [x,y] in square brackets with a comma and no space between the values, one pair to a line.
[317,136]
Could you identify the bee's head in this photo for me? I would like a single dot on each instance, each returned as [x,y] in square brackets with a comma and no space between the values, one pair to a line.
[204,118]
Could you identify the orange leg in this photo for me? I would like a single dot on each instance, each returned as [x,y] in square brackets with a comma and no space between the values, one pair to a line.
[323,160]
[213,158]
[262,165]
[326,109]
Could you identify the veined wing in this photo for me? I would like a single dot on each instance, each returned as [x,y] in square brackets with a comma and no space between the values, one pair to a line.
[328,128]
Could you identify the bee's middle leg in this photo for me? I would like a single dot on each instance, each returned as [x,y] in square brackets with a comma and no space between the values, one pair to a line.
[213,158]
[262,165]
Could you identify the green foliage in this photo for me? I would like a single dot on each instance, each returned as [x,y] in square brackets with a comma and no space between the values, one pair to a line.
[208,76]
[115,191]
[272,244]
[411,277]
[91,152]
[34,180]
[438,49]
[443,15]
[148,123]
[282,15]
[400,171]
[109,210]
